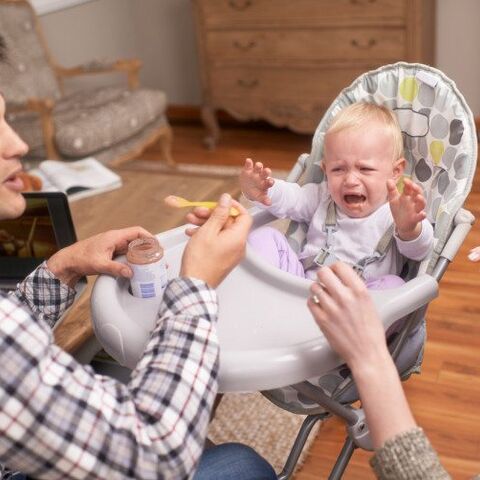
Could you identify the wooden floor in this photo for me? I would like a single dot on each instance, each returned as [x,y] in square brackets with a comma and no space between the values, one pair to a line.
[445,398]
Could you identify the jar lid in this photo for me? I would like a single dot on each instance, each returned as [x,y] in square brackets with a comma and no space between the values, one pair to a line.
[144,250]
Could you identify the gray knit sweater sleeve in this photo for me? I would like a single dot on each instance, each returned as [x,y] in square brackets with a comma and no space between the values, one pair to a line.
[408,456]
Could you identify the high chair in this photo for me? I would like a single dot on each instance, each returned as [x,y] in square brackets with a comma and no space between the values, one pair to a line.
[268,338]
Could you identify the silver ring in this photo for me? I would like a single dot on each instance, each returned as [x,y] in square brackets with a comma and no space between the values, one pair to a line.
[315,299]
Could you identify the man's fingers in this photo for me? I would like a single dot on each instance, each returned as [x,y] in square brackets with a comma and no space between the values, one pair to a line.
[241,224]
[116,269]
[121,238]
[198,216]
[220,214]
[190,231]
[238,206]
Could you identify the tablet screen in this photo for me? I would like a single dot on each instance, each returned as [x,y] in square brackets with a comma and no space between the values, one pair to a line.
[45,227]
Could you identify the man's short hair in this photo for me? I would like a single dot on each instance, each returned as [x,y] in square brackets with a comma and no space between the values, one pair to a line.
[356,114]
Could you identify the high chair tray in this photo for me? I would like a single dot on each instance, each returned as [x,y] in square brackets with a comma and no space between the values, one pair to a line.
[268,338]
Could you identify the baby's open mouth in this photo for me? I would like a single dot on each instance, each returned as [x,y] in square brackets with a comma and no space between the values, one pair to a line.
[353,199]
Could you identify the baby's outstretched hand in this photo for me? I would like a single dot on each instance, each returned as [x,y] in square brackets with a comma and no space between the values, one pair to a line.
[255,180]
[408,208]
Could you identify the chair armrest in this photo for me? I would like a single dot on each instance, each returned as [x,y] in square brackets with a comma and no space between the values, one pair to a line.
[463,222]
[129,66]
[33,104]
[396,303]
[44,108]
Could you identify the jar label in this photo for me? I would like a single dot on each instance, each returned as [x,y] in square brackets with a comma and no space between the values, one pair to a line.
[149,280]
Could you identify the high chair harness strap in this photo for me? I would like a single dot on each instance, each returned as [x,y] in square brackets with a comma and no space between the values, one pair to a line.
[326,254]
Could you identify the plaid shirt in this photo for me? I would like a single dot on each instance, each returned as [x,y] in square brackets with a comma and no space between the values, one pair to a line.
[61,420]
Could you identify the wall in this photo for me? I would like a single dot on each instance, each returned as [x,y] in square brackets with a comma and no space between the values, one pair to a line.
[458,40]
[161,33]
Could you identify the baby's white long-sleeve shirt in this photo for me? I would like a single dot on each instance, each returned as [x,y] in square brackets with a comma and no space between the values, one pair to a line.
[355,238]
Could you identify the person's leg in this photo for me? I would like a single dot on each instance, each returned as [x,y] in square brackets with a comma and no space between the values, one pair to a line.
[273,247]
[233,461]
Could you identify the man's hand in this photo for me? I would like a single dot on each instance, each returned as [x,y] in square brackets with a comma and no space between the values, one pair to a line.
[218,245]
[93,256]
[408,209]
[255,180]
[342,307]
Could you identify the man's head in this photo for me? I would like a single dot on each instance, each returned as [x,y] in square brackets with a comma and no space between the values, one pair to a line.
[363,149]
[12,148]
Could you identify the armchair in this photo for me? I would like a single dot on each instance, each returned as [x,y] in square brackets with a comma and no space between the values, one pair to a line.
[112,123]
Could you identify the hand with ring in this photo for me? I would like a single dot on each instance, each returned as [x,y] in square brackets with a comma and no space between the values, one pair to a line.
[344,311]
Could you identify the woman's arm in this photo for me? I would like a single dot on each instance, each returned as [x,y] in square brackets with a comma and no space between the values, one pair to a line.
[344,311]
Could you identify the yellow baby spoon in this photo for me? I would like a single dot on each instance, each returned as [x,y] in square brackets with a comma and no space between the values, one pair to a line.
[179,202]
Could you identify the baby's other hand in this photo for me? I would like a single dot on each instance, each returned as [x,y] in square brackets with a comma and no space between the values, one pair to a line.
[408,208]
[255,180]
[474,255]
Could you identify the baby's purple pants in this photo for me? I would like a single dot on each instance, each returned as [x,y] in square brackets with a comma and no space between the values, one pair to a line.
[273,247]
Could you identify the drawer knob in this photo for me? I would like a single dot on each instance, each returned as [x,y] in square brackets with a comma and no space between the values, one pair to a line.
[244,46]
[240,4]
[252,83]
[365,45]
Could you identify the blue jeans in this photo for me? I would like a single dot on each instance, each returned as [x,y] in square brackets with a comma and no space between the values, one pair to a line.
[233,461]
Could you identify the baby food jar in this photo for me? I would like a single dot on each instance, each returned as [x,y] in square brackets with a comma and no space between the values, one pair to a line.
[145,258]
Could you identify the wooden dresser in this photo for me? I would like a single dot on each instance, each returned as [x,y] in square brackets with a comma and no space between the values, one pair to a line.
[284,61]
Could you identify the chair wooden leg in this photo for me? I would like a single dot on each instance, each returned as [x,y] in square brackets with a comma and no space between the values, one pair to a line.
[165,144]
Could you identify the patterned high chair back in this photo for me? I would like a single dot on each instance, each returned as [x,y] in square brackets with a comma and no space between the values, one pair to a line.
[440,148]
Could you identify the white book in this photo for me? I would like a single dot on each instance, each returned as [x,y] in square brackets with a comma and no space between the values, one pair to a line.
[78,178]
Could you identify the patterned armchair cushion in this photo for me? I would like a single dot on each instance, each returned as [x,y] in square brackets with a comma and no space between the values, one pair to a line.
[92,120]
[27,72]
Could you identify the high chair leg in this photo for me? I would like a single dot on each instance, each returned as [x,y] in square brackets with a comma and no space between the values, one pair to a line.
[342,460]
[298,445]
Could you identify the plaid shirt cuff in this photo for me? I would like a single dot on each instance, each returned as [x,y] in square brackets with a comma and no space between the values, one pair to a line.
[189,295]
[46,296]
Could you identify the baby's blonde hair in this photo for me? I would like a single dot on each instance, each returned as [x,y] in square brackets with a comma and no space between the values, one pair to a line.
[356,114]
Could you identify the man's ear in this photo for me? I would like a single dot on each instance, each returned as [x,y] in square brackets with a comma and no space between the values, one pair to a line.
[322,165]
[399,168]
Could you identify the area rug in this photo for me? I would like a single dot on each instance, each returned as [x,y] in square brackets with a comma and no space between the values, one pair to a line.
[189,169]
[251,419]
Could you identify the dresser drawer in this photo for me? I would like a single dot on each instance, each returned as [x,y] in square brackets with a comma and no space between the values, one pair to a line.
[312,45]
[279,84]
[272,13]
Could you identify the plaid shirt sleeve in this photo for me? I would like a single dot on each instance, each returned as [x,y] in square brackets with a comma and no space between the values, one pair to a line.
[60,420]
[46,296]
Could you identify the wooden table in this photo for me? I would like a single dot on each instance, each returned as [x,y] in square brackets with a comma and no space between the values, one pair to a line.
[138,202]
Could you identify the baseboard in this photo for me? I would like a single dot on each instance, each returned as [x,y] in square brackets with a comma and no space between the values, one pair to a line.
[193,114]
[183,113]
